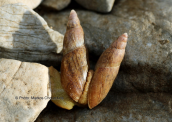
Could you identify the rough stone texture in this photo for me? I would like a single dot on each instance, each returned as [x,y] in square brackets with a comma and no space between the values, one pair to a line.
[147,63]
[117,107]
[146,68]
[30,3]
[97,5]
[56,4]
[19,81]
[25,36]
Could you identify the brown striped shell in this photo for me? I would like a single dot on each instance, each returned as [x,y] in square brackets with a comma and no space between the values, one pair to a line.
[84,86]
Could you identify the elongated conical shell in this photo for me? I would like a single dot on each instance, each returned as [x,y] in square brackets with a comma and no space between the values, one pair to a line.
[106,71]
[74,66]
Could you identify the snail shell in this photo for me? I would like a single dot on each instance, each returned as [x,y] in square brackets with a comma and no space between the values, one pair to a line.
[106,71]
[83,86]
[74,66]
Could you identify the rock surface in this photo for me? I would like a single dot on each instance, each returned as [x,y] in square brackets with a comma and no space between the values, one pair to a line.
[117,107]
[142,90]
[56,4]
[25,36]
[147,63]
[19,81]
[97,5]
[30,3]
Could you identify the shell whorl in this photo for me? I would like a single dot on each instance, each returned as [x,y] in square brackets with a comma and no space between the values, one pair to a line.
[113,55]
[74,36]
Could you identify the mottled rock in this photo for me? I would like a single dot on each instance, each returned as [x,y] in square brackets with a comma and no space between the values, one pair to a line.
[30,3]
[20,82]
[147,63]
[25,36]
[56,4]
[117,107]
[97,5]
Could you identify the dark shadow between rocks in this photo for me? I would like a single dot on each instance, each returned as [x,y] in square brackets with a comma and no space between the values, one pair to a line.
[44,9]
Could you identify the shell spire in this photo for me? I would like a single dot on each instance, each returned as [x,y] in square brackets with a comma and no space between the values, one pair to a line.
[73,20]
[74,36]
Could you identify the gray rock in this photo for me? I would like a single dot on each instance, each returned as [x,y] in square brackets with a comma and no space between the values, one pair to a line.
[56,4]
[97,5]
[25,36]
[117,107]
[20,82]
[147,63]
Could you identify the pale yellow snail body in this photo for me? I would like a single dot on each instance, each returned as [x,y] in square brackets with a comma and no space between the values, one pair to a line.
[85,86]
